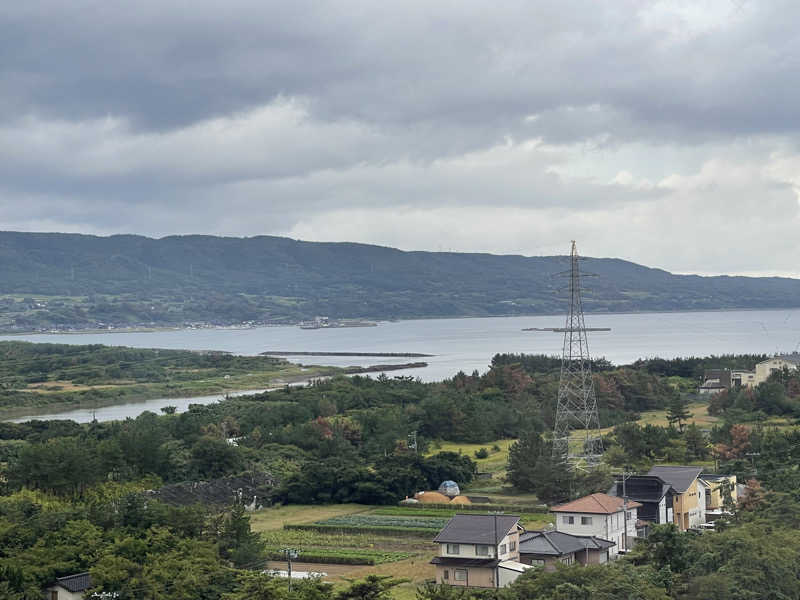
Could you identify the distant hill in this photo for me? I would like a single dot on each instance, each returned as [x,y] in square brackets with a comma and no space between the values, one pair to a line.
[52,279]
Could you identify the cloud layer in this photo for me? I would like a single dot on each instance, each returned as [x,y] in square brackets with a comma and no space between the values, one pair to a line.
[662,132]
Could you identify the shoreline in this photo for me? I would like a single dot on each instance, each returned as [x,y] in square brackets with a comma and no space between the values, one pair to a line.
[242,326]
[29,413]
[350,354]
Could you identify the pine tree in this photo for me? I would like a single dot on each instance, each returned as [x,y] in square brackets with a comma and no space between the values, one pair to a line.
[237,541]
[522,457]
[696,442]
[677,412]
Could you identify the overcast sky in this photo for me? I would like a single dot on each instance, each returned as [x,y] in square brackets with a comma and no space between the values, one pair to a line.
[661,132]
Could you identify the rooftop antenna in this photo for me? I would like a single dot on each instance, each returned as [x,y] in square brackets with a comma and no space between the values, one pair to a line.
[577,404]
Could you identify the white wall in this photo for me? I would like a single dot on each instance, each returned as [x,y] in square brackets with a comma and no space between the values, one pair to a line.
[765,368]
[63,593]
[468,550]
[702,490]
[507,576]
[608,527]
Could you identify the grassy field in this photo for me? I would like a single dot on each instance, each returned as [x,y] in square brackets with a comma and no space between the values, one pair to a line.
[495,464]
[698,410]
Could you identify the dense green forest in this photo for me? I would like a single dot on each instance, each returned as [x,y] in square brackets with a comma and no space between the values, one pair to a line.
[70,280]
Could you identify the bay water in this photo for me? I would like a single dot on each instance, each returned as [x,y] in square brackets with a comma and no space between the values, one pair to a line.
[466,344]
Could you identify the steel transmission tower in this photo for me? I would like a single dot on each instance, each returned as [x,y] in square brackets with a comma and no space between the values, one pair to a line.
[577,405]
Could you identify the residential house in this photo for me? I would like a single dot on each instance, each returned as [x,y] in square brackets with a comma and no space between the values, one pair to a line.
[741,379]
[689,504]
[602,516]
[714,381]
[479,551]
[72,587]
[777,363]
[714,497]
[709,387]
[652,493]
[715,378]
[549,548]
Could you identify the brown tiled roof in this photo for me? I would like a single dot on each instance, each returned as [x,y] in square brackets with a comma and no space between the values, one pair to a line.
[596,503]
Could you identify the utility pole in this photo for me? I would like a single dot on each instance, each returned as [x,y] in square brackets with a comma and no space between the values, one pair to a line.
[496,550]
[577,404]
[625,475]
[290,553]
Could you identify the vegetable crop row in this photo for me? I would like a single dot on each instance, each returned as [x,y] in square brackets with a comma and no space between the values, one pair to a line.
[422,532]
[341,557]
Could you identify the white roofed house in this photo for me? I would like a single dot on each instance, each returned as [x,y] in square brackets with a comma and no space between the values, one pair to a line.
[599,515]
[479,551]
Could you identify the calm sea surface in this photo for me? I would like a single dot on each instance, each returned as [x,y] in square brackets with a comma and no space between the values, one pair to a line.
[464,344]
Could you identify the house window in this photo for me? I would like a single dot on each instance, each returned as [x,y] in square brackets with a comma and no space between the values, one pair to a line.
[568,520]
[537,562]
[461,574]
[446,574]
[481,549]
[502,549]
[512,546]
[628,516]
[586,520]
[568,560]
[452,548]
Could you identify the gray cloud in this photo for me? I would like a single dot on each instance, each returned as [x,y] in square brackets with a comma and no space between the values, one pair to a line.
[654,131]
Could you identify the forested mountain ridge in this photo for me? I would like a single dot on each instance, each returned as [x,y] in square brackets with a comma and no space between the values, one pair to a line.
[135,279]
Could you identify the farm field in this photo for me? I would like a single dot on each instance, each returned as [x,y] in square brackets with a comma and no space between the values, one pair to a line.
[277,516]
[400,556]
